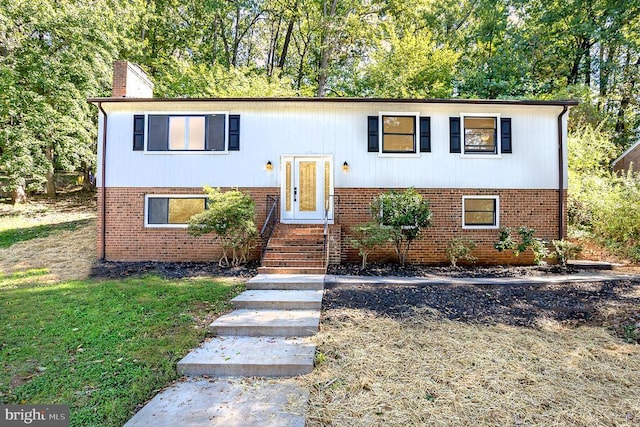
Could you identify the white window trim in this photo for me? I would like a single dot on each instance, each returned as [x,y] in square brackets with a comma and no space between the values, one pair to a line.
[498,153]
[163,196]
[416,137]
[185,152]
[482,227]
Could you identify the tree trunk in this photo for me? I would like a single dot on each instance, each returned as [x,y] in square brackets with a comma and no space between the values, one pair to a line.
[19,196]
[51,176]
[326,49]
[287,37]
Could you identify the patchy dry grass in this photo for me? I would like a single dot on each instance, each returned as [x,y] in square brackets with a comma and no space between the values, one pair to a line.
[425,370]
[55,237]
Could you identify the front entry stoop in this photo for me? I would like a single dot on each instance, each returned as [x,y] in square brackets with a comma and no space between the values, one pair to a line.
[295,249]
[268,335]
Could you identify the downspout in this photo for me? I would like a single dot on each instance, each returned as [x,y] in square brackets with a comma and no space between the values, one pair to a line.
[103,195]
[561,175]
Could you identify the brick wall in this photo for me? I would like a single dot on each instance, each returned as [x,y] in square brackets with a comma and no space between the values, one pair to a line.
[128,239]
[536,209]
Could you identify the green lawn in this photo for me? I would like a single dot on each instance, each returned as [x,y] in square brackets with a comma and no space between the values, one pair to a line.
[102,347]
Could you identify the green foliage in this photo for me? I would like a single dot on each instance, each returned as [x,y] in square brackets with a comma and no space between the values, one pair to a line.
[565,250]
[367,237]
[460,249]
[403,214]
[102,347]
[526,241]
[230,215]
[601,202]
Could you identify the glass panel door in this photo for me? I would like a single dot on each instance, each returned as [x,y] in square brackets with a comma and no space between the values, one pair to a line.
[306,185]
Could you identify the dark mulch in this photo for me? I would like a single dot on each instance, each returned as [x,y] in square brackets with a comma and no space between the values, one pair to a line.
[572,304]
[171,270]
[417,270]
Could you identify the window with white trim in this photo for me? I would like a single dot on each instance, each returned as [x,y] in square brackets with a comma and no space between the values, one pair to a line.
[398,134]
[480,211]
[480,135]
[172,210]
[180,133]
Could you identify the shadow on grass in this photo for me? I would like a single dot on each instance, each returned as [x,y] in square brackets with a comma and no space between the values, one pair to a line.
[517,305]
[16,235]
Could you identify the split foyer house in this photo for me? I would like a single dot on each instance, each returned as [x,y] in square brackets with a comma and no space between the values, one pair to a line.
[483,164]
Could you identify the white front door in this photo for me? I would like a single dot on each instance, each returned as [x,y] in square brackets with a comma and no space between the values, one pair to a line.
[306,188]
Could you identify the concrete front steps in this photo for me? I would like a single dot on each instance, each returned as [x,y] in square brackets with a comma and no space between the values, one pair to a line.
[294,249]
[264,336]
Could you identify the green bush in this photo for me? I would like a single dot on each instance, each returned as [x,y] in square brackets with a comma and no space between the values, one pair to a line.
[403,214]
[527,241]
[565,250]
[601,202]
[230,216]
[368,237]
[460,249]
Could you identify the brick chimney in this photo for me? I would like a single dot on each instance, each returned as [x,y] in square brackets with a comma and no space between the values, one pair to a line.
[129,81]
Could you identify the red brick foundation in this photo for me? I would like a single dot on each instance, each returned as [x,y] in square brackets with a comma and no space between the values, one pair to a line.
[536,209]
[128,240]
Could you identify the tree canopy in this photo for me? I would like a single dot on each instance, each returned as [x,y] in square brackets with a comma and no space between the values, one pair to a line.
[55,54]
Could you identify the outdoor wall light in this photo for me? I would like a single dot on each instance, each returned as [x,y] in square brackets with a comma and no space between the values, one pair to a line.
[269,166]
[345,166]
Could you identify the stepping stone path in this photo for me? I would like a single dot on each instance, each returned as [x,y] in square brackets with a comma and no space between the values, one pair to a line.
[266,336]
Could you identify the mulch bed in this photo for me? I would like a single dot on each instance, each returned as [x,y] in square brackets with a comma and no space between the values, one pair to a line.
[613,304]
[171,270]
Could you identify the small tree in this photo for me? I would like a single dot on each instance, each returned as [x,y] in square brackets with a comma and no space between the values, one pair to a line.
[565,250]
[230,216]
[459,248]
[403,214]
[527,241]
[367,237]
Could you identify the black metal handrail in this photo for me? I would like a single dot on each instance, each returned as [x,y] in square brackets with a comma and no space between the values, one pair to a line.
[269,223]
[334,201]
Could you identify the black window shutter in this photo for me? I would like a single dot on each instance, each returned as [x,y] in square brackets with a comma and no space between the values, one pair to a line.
[234,132]
[372,133]
[425,134]
[215,133]
[454,134]
[138,132]
[505,135]
[158,139]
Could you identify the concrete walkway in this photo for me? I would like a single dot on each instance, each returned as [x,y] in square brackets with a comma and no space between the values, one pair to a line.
[432,279]
[267,336]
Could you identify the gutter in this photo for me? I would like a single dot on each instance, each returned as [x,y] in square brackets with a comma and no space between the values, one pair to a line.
[565,108]
[103,192]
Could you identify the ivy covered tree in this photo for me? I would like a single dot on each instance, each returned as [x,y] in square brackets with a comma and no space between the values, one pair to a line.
[403,214]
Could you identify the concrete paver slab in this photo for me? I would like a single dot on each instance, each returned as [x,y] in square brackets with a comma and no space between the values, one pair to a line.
[225,402]
[250,356]
[279,299]
[287,281]
[280,323]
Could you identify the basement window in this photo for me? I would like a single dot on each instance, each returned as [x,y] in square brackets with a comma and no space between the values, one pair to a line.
[480,212]
[172,211]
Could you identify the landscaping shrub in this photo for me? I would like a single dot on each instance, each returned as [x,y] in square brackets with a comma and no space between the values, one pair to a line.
[565,250]
[527,241]
[367,237]
[230,216]
[403,214]
[460,249]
